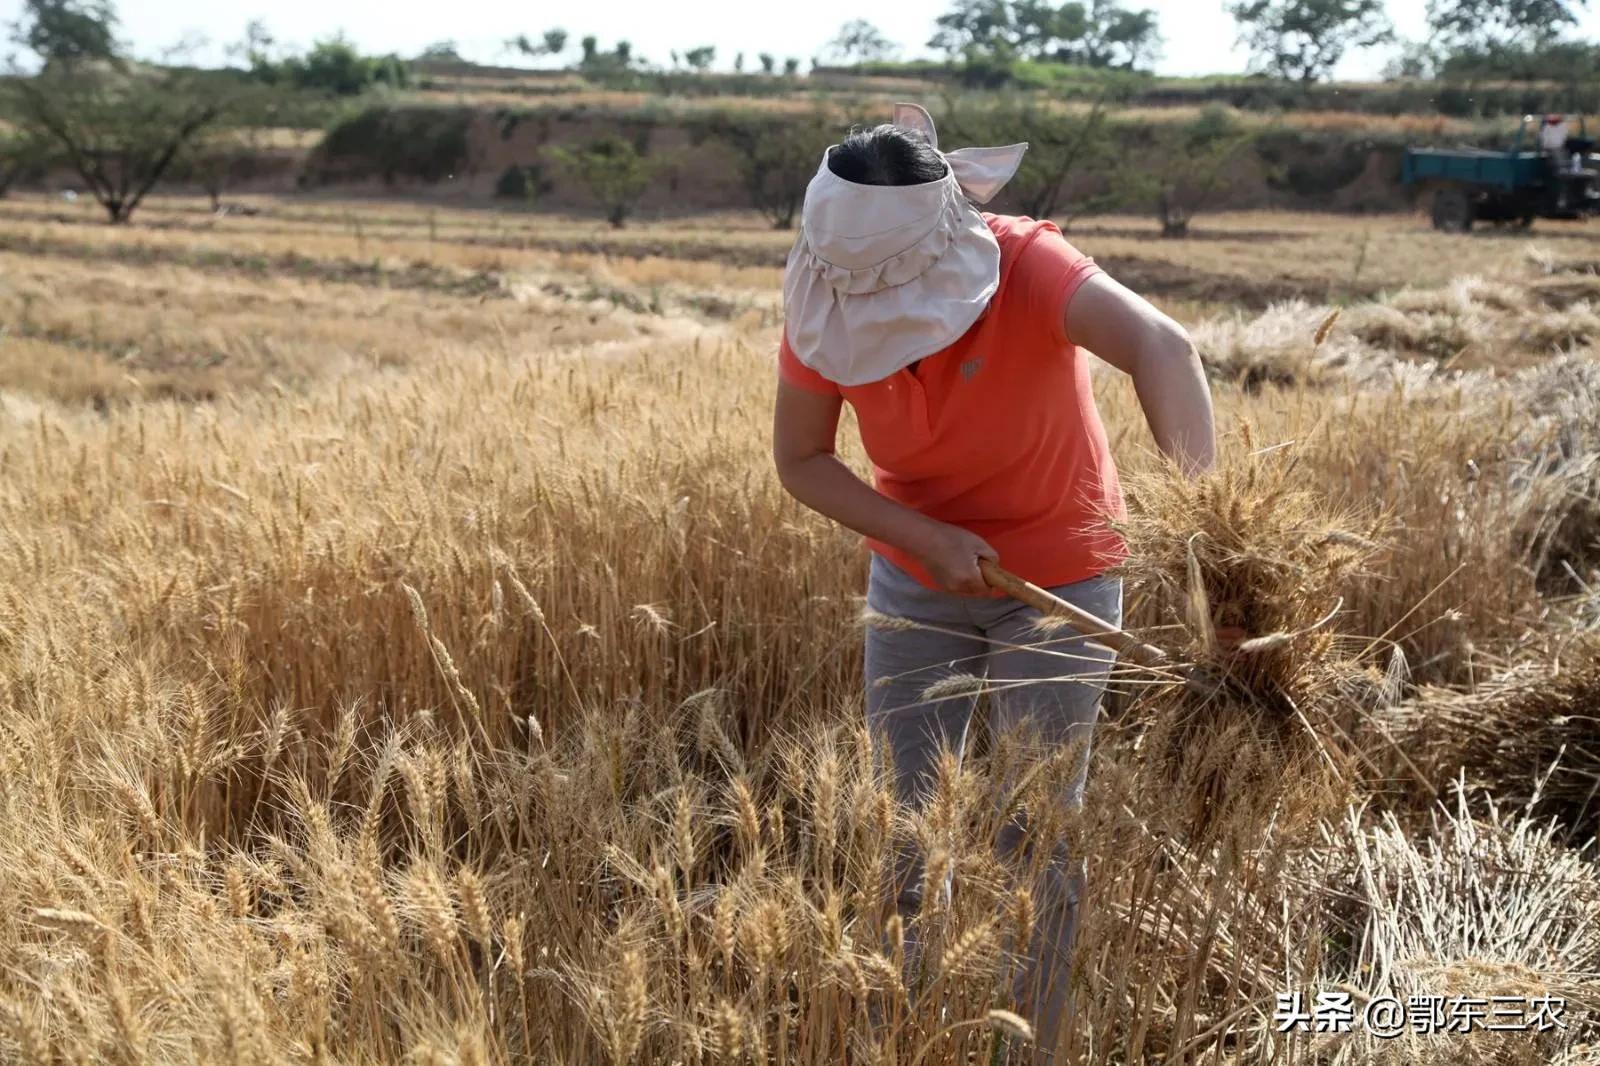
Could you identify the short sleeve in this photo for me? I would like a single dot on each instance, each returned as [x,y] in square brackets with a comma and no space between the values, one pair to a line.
[1047,274]
[796,373]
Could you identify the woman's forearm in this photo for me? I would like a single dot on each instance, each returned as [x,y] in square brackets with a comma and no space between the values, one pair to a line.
[1176,399]
[826,485]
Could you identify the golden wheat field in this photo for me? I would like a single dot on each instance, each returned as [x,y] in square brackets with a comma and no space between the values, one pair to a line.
[409,656]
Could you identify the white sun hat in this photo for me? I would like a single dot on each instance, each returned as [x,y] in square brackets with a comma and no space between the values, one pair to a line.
[883,275]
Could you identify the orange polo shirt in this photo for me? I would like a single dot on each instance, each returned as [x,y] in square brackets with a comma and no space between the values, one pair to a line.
[998,433]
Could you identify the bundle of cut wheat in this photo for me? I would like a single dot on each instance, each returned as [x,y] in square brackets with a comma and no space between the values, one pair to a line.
[1529,735]
[1247,551]
[1271,348]
[1561,444]
[1485,906]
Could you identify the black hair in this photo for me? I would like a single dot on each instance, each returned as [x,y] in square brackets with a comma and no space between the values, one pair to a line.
[886,155]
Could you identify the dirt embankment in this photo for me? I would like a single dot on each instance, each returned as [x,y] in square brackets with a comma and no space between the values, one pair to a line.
[485,154]
[694,173]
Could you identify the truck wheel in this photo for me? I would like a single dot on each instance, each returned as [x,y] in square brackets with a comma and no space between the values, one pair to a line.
[1452,210]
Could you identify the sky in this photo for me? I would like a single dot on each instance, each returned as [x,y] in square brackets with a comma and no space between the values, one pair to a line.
[1199,34]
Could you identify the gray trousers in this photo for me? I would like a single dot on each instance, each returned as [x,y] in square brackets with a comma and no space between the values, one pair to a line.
[1050,683]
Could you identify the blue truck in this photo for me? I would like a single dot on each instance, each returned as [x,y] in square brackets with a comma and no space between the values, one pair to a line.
[1514,187]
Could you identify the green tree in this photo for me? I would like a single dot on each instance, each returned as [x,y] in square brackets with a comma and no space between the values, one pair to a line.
[1303,40]
[1097,33]
[1416,60]
[67,31]
[1037,26]
[791,67]
[1494,25]
[700,58]
[615,171]
[769,62]
[441,52]
[618,67]
[776,158]
[332,66]
[859,41]
[974,25]
[551,43]
[120,129]
[1570,62]
[1114,36]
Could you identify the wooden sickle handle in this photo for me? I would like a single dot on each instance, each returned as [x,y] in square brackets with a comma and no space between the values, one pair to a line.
[1046,602]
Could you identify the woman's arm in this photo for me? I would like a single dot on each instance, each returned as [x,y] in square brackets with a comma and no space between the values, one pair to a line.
[1122,327]
[804,428]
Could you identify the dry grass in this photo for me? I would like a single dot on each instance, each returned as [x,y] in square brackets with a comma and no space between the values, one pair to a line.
[445,678]
[1486,902]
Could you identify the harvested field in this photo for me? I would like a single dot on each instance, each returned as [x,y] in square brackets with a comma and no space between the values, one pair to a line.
[407,654]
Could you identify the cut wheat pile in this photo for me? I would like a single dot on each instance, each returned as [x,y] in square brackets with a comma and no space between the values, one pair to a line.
[1530,735]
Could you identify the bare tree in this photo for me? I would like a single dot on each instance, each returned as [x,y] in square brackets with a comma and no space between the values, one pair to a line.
[1189,166]
[121,128]
[221,159]
[1061,145]
[775,158]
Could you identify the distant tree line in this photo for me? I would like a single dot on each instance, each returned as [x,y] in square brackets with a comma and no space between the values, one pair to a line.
[1304,40]
[1299,41]
[1099,33]
[1296,40]
[123,126]
[334,66]
[1171,169]
[1515,40]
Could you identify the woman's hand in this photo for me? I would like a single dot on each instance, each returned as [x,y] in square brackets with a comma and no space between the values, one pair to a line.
[950,554]
[1230,637]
